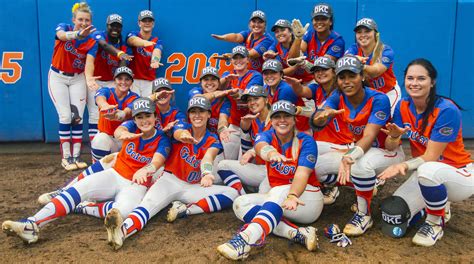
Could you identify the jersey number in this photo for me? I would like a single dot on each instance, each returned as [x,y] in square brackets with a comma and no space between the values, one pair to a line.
[11,69]
[378,83]
[336,125]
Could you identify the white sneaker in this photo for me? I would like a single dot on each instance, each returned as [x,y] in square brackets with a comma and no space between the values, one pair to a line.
[428,234]
[177,210]
[80,163]
[113,223]
[47,197]
[26,229]
[330,195]
[358,224]
[69,164]
[447,212]
[306,236]
[237,248]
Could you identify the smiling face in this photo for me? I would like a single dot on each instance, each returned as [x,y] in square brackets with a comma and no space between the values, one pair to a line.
[165,99]
[283,35]
[198,117]
[322,24]
[418,82]
[365,37]
[350,83]
[271,78]
[114,30]
[257,26]
[256,104]
[81,20]
[146,25]
[209,83]
[145,121]
[123,82]
[283,123]
[239,62]
[324,76]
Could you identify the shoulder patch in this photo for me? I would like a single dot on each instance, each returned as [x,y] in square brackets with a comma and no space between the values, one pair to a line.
[381,115]
[311,158]
[336,48]
[446,131]
[385,59]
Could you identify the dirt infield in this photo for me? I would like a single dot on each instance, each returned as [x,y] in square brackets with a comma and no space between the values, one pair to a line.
[194,239]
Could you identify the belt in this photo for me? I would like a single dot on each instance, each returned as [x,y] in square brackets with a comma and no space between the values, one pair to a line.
[70,74]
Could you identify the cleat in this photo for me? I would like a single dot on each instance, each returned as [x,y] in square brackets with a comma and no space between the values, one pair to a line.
[307,237]
[47,197]
[330,194]
[177,210]
[358,225]
[69,164]
[237,248]
[447,212]
[26,229]
[80,163]
[113,223]
[428,234]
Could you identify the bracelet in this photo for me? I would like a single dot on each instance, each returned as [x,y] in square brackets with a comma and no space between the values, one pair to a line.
[206,168]
[120,53]
[414,163]
[220,129]
[291,194]
[72,35]
[156,59]
[265,151]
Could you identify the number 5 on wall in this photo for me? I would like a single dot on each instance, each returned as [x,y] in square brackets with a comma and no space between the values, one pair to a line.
[11,69]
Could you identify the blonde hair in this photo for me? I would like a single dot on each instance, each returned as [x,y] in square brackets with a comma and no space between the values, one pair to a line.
[81,7]
[378,48]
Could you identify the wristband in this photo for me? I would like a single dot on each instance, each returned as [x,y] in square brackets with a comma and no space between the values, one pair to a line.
[206,168]
[72,35]
[156,59]
[120,53]
[414,163]
[354,153]
[304,111]
[120,115]
[220,129]
[150,168]
[291,194]
[307,66]
[265,151]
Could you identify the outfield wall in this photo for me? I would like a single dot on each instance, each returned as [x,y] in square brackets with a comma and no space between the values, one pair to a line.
[438,30]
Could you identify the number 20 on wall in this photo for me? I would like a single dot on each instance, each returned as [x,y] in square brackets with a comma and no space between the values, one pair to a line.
[11,70]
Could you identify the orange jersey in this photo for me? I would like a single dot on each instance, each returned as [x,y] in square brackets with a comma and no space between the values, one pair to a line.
[237,107]
[163,119]
[105,64]
[374,109]
[336,131]
[334,45]
[444,125]
[260,45]
[185,159]
[137,153]
[282,56]
[140,64]
[256,127]
[108,126]
[282,173]
[387,80]
[70,56]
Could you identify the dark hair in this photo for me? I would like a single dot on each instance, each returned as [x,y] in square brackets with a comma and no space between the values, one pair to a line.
[433,97]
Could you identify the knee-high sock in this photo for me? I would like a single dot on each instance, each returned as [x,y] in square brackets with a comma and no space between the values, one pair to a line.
[60,205]
[211,203]
[92,131]
[285,228]
[232,180]
[76,140]
[65,139]
[98,210]
[135,221]
[435,198]
[94,168]
[264,222]
[364,190]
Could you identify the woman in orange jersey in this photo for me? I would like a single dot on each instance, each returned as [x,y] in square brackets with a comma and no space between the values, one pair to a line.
[441,169]
[67,84]
[378,59]
[144,150]
[187,180]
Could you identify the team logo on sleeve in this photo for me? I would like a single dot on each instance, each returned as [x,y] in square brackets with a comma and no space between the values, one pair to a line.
[336,48]
[381,115]
[311,158]
[385,59]
[446,131]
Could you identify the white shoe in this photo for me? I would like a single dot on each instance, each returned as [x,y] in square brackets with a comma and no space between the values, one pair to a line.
[358,225]
[113,223]
[69,164]
[330,195]
[177,210]
[378,185]
[80,163]
[306,236]
[26,229]
[47,197]
[428,234]
[447,212]
[237,248]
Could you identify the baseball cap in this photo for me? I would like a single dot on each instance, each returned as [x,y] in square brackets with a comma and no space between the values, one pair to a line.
[322,9]
[283,106]
[209,71]
[145,14]
[123,69]
[323,62]
[241,50]
[395,216]
[349,63]
[281,23]
[254,90]
[272,65]
[199,101]
[114,18]
[259,14]
[366,22]
[161,83]
[143,105]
